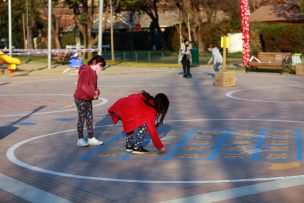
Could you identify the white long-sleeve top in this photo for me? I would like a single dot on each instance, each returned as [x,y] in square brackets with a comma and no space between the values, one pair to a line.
[216,56]
[185,50]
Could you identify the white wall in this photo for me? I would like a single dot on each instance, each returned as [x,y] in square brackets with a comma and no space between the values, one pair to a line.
[236,43]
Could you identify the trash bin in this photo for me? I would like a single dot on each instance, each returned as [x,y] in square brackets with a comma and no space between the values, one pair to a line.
[195,56]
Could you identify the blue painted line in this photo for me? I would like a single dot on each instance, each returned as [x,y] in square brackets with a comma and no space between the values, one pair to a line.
[259,144]
[179,145]
[99,148]
[64,119]
[299,144]
[126,156]
[26,123]
[218,147]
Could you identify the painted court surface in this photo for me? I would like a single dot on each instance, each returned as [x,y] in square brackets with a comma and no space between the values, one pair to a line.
[237,144]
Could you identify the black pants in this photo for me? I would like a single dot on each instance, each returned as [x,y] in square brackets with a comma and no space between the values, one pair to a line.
[85,114]
[186,66]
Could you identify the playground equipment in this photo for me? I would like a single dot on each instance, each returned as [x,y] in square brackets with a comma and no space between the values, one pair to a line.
[10,61]
[74,62]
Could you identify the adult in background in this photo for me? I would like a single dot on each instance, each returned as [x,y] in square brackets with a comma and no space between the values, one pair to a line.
[185,57]
[216,57]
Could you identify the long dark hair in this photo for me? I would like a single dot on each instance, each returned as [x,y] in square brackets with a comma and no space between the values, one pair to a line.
[160,103]
[97,59]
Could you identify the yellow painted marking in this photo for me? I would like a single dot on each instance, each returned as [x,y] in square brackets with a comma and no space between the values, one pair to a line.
[289,165]
[280,142]
[241,142]
[240,148]
[68,106]
[198,148]
[280,137]
[202,142]
[277,156]
[279,149]
[115,148]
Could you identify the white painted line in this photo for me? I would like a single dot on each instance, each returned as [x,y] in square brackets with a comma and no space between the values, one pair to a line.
[230,95]
[164,85]
[102,102]
[28,192]
[223,195]
[10,154]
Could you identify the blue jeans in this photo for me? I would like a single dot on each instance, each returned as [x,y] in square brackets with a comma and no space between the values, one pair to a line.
[217,67]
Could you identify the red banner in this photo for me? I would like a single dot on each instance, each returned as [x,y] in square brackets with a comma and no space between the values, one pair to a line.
[246,33]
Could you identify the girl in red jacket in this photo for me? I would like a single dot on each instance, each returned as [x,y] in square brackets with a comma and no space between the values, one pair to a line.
[140,113]
[85,92]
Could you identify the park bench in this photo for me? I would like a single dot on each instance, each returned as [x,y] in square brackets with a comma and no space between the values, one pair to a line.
[271,60]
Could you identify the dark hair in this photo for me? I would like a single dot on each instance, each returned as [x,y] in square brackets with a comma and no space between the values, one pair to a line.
[210,46]
[186,40]
[97,59]
[160,104]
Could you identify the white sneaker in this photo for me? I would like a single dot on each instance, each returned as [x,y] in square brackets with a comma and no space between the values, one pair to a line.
[94,141]
[82,143]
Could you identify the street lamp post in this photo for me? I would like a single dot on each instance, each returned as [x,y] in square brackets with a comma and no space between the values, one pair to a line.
[49,33]
[10,27]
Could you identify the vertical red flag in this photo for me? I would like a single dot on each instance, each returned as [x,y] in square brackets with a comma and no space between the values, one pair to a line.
[246,32]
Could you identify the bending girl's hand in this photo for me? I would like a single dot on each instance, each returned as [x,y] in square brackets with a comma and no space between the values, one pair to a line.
[163,150]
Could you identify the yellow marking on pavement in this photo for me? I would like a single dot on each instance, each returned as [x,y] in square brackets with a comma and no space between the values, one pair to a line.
[242,142]
[197,148]
[277,156]
[68,106]
[279,149]
[289,165]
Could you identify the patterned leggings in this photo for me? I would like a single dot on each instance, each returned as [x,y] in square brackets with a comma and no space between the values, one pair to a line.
[85,114]
[136,137]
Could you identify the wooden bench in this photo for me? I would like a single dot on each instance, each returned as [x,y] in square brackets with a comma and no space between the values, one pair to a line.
[271,60]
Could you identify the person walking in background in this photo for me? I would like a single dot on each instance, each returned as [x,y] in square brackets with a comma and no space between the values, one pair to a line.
[216,57]
[140,114]
[185,57]
[85,92]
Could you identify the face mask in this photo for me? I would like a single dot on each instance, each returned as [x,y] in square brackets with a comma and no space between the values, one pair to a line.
[96,68]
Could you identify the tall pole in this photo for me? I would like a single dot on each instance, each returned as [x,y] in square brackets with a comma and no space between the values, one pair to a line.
[27,25]
[246,32]
[112,34]
[10,27]
[100,27]
[49,33]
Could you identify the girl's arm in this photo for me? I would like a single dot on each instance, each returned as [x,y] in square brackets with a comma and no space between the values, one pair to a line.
[155,137]
[86,87]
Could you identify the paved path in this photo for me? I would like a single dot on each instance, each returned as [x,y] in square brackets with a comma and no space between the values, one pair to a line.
[239,144]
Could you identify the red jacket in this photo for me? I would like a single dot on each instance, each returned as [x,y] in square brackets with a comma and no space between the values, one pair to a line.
[133,112]
[86,84]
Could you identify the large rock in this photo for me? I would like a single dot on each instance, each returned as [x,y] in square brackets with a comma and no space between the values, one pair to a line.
[300,69]
[225,79]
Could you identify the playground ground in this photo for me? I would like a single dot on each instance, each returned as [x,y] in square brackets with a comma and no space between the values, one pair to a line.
[237,144]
